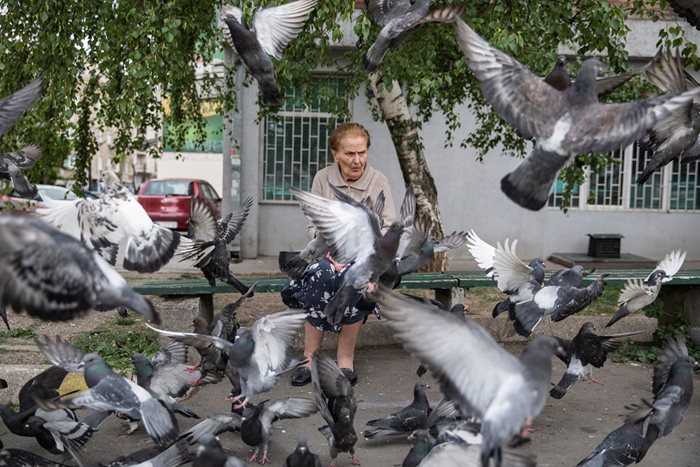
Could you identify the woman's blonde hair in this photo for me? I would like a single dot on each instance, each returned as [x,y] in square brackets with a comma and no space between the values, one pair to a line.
[347,129]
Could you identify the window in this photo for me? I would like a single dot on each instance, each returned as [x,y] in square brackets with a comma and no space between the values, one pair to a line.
[295,144]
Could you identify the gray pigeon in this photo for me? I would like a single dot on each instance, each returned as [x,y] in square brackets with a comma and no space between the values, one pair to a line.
[560,80]
[638,294]
[622,446]
[109,391]
[215,424]
[421,247]
[103,224]
[474,372]
[399,20]
[294,263]
[688,9]
[12,108]
[273,29]
[211,239]
[52,276]
[672,385]
[352,232]
[257,420]
[468,455]
[302,456]
[337,405]
[586,348]
[209,453]
[564,123]
[59,431]
[406,420]
[12,457]
[677,135]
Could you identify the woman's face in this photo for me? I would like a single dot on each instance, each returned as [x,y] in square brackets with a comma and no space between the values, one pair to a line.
[351,156]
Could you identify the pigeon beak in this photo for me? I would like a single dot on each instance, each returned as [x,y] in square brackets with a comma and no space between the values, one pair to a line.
[560,352]
[697,366]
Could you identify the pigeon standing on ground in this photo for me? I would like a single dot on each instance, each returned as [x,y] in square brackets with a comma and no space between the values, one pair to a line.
[677,135]
[211,239]
[336,403]
[474,372]
[406,420]
[115,217]
[273,29]
[302,456]
[564,123]
[688,9]
[586,348]
[622,446]
[109,391]
[638,294]
[12,108]
[52,276]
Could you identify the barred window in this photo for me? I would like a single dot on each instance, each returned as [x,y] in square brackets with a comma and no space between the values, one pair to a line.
[296,140]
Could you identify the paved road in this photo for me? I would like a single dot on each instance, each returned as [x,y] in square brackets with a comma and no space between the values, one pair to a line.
[567,429]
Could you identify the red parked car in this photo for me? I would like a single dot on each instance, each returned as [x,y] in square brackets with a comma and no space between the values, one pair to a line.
[167,200]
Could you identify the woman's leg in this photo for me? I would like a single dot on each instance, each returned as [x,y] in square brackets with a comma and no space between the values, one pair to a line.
[312,341]
[346,345]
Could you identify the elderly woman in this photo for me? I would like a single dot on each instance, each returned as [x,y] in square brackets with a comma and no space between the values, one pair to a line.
[350,173]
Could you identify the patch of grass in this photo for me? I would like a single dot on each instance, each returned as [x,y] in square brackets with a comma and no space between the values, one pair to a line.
[647,353]
[17,333]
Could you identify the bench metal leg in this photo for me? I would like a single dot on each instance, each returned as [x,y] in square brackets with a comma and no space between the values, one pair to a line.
[206,307]
[449,297]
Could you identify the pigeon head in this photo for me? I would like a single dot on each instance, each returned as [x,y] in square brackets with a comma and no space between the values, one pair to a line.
[94,368]
[587,328]
[561,62]
[34,423]
[656,277]
[684,365]
[586,78]
[143,366]
[544,346]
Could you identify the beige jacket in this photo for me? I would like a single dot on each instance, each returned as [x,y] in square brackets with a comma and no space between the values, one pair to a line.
[371,183]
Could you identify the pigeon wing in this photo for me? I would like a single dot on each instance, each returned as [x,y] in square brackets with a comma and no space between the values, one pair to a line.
[288,407]
[666,72]
[25,158]
[233,226]
[172,352]
[482,252]
[633,288]
[275,27]
[202,221]
[51,378]
[13,106]
[688,9]
[197,341]
[511,273]
[383,11]
[450,242]
[670,265]
[273,334]
[61,353]
[214,424]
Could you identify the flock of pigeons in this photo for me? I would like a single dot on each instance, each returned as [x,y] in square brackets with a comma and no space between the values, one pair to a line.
[60,266]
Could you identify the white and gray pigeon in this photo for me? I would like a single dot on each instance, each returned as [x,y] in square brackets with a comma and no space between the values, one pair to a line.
[211,239]
[54,277]
[688,9]
[108,391]
[469,455]
[586,349]
[564,123]
[12,108]
[116,217]
[399,20]
[475,373]
[637,294]
[513,277]
[677,135]
[259,355]
[353,234]
[620,447]
[273,29]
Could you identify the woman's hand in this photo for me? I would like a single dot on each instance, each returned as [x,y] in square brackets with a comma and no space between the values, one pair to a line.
[336,266]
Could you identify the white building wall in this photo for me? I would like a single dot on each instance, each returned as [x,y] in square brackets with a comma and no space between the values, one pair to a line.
[201,165]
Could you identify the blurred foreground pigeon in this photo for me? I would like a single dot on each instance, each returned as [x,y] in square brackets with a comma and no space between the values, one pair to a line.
[109,391]
[480,377]
[586,348]
[623,446]
[211,239]
[115,217]
[336,403]
[209,453]
[688,9]
[677,135]
[399,19]
[466,455]
[518,280]
[302,456]
[52,276]
[12,108]
[406,420]
[13,457]
[352,232]
[273,29]
[672,386]
[564,123]
[638,294]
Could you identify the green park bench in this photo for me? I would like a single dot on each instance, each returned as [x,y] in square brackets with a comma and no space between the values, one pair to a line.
[683,290]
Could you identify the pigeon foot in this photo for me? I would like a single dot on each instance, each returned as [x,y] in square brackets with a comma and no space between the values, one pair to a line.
[354,460]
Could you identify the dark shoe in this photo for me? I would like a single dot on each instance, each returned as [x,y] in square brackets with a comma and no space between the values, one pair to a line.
[350,375]
[301,376]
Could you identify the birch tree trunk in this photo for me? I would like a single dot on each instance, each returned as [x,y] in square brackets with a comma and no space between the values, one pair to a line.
[409,150]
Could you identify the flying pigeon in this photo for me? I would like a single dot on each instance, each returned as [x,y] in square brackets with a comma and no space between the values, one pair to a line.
[586,348]
[12,108]
[302,456]
[622,446]
[257,420]
[474,372]
[555,301]
[458,311]
[518,280]
[211,238]
[215,424]
[564,123]
[677,135]
[560,80]
[210,454]
[273,29]
[399,20]
[688,9]
[109,391]
[58,431]
[52,276]
[637,294]
[259,354]
[116,217]
[406,420]
[337,405]
[352,232]
[672,385]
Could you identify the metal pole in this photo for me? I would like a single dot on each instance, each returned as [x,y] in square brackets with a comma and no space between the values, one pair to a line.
[227,203]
